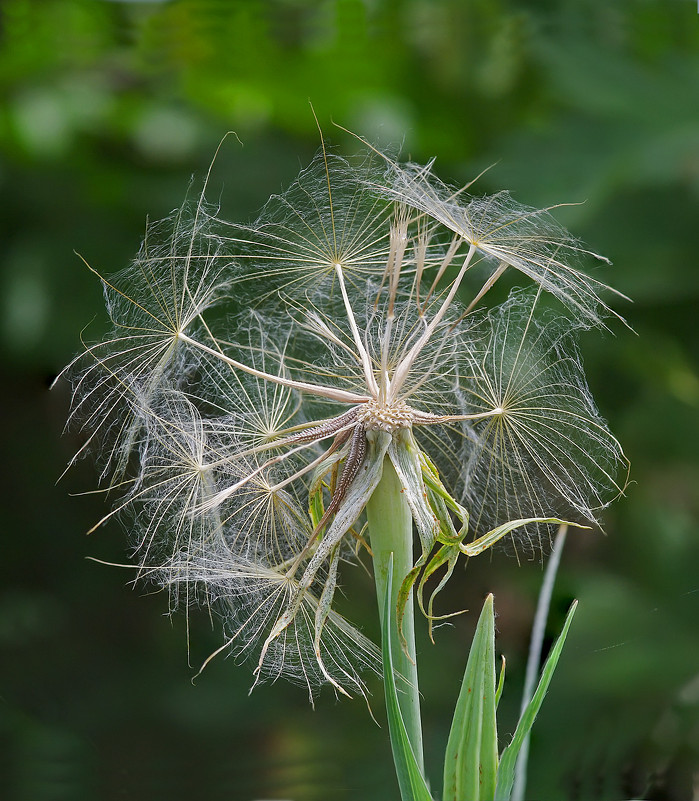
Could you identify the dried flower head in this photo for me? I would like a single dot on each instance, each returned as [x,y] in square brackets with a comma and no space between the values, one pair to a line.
[258,378]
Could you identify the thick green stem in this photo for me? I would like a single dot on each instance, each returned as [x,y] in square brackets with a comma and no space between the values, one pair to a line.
[391,532]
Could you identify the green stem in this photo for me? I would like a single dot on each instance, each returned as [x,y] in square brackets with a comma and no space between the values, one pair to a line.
[391,532]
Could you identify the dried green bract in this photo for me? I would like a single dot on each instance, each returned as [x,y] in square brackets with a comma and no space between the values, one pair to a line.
[257,378]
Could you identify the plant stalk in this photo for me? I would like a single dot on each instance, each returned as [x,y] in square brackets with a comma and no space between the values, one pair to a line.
[391,532]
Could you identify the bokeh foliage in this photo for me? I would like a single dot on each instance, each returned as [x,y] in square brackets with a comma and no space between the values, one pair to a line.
[106,110]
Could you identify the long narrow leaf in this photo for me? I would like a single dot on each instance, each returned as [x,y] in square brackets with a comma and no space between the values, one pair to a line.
[534,658]
[501,683]
[410,779]
[471,759]
[508,761]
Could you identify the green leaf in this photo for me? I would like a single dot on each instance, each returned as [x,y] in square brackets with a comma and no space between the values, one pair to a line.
[403,598]
[471,759]
[501,683]
[489,539]
[410,779]
[508,761]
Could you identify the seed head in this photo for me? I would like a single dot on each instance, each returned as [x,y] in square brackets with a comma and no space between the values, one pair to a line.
[258,377]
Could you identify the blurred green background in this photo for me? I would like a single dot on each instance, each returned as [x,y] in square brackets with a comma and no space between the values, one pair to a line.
[107,110]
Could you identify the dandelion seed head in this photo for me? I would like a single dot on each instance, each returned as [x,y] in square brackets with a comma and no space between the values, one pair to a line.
[258,377]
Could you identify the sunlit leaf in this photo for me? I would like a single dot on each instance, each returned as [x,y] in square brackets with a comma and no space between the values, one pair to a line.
[471,759]
[506,770]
